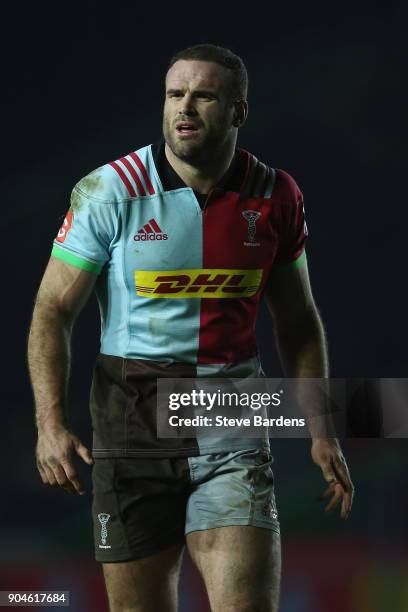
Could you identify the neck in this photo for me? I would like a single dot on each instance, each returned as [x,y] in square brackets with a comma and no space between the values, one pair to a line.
[199,176]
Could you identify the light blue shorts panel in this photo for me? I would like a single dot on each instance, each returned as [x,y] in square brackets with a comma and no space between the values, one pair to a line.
[232,488]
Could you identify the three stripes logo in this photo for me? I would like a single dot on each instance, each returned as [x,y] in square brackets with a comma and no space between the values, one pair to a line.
[150,231]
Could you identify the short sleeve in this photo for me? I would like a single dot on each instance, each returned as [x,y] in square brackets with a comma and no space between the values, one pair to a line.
[293,229]
[84,238]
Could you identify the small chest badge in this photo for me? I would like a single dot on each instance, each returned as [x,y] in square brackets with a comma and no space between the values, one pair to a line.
[251,216]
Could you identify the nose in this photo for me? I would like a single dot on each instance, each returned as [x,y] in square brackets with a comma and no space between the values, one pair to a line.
[187,106]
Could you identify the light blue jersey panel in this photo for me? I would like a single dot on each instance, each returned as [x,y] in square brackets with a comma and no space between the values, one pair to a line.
[161,327]
[110,233]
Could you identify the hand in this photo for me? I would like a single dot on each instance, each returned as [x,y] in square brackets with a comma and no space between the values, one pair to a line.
[55,449]
[326,453]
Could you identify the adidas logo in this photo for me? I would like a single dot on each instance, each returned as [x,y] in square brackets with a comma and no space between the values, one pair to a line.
[150,231]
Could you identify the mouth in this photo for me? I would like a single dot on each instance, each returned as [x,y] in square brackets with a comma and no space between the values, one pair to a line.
[186,128]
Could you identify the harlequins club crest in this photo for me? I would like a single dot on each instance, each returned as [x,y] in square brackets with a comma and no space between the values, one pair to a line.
[251,216]
[103,519]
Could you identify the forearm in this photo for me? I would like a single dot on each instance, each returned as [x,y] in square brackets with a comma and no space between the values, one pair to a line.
[49,364]
[304,356]
[302,347]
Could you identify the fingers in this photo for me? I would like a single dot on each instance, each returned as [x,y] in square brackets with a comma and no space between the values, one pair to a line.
[338,494]
[51,480]
[72,477]
[328,455]
[342,472]
[336,491]
[60,472]
[329,473]
[42,473]
[62,478]
[325,493]
[346,506]
[344,476]
[340,489]
[54,461]
[83,452]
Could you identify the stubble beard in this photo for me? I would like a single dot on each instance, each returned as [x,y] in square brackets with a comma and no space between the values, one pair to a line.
[192,151]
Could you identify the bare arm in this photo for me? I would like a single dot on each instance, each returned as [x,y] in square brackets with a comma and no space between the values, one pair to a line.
[298,327]
[302,348]
[63,292]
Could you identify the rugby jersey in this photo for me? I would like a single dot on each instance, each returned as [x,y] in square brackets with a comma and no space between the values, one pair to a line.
[181,276]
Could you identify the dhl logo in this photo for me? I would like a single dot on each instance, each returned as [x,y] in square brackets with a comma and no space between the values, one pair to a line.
[208,283]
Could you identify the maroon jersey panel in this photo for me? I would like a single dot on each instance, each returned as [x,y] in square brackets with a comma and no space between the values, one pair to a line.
[246,232]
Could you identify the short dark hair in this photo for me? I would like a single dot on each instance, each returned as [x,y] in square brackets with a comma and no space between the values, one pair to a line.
[222,56]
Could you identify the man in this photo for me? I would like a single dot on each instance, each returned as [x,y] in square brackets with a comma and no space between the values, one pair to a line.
[180,240]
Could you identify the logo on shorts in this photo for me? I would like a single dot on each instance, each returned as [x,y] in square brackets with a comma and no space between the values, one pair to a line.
[252,217]
[269,510]
[103,519]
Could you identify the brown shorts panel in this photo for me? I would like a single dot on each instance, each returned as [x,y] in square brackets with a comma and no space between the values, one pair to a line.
[139,506]
[123,406]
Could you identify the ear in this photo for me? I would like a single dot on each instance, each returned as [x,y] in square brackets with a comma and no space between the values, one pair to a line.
[241,112]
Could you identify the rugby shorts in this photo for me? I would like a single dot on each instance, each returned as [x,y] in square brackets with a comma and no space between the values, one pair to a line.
[142,506]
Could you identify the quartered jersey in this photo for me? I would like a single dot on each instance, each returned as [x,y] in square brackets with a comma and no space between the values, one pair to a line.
[181,276]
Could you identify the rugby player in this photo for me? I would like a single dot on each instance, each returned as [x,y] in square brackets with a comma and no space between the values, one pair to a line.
[180,239]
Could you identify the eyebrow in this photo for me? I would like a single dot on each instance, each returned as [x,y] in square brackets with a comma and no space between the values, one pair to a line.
[197,92]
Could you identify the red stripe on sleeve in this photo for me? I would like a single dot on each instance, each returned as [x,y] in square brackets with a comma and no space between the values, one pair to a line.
[134,174]
[124,178]
[142,169]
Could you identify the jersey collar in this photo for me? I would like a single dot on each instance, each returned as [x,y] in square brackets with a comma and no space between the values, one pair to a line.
[232,180]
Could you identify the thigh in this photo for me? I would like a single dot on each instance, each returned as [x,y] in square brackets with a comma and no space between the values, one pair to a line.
[144,585]
[240,566]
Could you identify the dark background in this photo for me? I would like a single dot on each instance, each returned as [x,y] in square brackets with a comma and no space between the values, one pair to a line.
[83,85]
